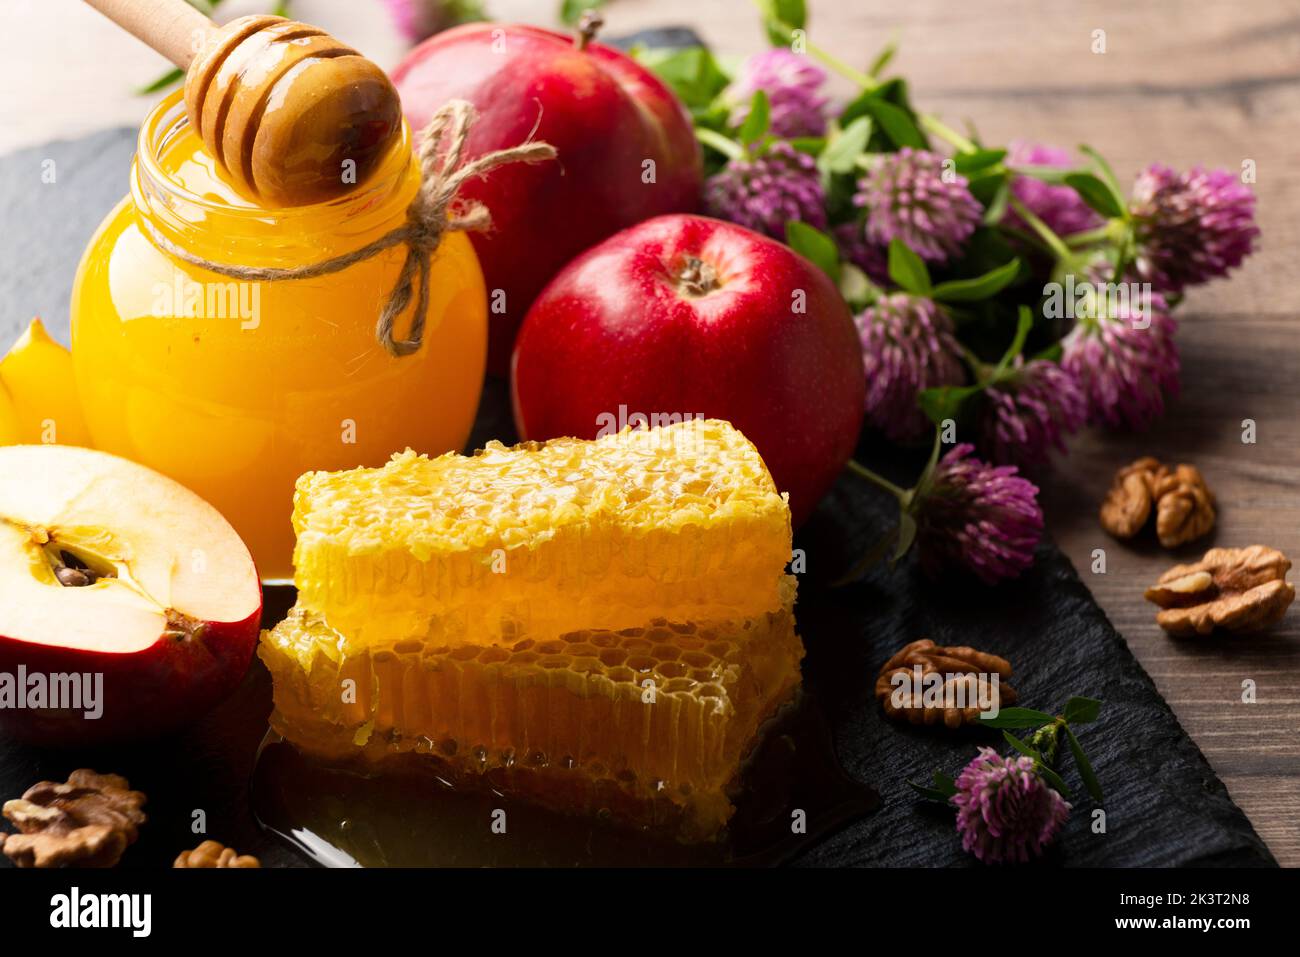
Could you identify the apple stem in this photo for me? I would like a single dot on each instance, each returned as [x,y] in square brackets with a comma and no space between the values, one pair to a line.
[588,26]
[181,626]
[698,278]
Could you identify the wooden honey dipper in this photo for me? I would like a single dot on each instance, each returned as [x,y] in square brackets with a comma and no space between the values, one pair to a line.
[282,106]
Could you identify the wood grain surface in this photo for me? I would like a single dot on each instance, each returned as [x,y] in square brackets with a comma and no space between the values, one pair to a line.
[1180,81]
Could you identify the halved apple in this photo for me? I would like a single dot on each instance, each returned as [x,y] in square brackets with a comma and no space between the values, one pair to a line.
[37,371]
[110,569]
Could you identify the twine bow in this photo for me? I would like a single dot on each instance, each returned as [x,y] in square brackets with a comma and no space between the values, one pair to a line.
[432,213]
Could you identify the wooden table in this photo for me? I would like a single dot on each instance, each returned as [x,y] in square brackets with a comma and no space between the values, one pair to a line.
[1184,83]
[1180,81]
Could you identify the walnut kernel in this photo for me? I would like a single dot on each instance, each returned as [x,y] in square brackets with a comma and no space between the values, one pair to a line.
[966,670]
[1236,589]
[87,822]
[1127,507]
[214,854]
[1183,504]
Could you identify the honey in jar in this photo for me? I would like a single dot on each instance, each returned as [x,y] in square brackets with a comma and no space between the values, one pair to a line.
[236,388]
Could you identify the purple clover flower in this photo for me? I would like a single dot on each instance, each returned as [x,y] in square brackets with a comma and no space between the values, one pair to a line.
[763,193]
[1057,205]
[908,195]
[977,516]
[908,344]
[792,83]
[1191,227]
[417,19]
[1006,812]
[1030,411]
[406,14]
[1125,361]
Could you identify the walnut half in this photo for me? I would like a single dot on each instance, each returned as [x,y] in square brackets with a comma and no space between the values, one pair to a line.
[965,672]
[1127,507]
[1236,589]
[1184,505]
[87,822]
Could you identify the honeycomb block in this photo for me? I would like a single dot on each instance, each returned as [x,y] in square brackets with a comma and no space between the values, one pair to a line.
[681,522]
[652,721]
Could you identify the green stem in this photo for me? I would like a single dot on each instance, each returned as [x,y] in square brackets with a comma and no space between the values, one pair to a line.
[1053,241]
[932,124]
[927,476]
[982,371]
[1025,237]
[1089,236]
[828,59]
[834,63]
[724,145]
[861,470]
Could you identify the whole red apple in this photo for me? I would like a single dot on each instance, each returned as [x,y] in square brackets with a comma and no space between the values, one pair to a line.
[626,150]
[684,315]
[128,605]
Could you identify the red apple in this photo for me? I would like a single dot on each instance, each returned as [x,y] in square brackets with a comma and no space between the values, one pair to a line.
[109,569]
[626,150]
[684,315]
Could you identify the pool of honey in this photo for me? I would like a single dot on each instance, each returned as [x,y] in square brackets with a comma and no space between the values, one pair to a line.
[793,794]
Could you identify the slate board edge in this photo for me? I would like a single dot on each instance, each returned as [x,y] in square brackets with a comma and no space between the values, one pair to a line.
[1122,644]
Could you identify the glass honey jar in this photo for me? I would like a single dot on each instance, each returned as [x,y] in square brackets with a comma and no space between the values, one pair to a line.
[236,388]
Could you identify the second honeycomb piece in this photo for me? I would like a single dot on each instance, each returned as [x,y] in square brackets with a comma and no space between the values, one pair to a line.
[652,721]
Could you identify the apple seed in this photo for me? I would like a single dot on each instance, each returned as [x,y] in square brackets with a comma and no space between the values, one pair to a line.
[72,577]
[72,571]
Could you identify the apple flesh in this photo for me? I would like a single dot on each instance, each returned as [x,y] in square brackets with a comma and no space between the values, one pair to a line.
[684,315]
[626,150]
[108,568]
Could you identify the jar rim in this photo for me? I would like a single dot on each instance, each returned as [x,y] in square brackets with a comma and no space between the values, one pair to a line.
[169,117]
[177,210]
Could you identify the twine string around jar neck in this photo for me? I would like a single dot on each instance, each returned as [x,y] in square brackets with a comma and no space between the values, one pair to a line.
[431,214]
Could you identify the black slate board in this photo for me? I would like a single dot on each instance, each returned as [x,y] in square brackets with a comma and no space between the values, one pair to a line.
[1164,804]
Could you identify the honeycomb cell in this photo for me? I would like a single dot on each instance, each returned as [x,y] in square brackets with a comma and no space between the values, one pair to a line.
[682,744]
[597,626]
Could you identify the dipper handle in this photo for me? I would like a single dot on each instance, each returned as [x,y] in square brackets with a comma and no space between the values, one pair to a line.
[172,27]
